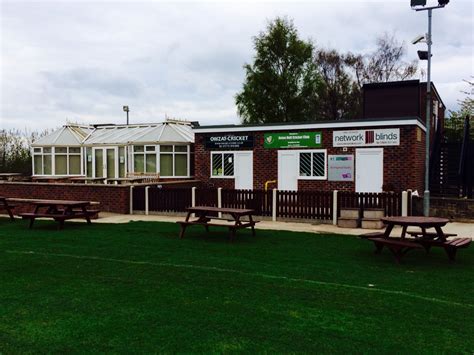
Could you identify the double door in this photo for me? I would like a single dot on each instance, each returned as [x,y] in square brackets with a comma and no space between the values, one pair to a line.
[105,162]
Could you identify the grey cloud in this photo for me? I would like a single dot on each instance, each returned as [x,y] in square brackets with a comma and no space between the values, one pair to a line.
[85,79]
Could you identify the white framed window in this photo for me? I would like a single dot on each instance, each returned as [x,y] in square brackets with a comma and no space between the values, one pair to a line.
[168,160]
[313,164]
[222,164]
[57,161]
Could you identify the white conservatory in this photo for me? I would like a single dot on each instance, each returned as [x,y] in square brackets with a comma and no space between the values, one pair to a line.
[116,151]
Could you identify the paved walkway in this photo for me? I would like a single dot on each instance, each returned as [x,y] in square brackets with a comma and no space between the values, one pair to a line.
[461,229]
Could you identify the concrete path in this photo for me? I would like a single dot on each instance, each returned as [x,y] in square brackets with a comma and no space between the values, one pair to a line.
[461,229]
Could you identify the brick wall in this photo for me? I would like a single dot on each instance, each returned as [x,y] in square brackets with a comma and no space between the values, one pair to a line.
[112,198]
[403,164]
[454,208]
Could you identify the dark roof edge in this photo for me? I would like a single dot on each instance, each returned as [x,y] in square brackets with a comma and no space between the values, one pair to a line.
[277,124]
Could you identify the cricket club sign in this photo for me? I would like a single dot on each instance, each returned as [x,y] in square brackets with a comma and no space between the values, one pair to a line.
[365,138]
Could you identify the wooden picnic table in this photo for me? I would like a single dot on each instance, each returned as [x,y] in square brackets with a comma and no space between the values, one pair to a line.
[9,176]
[5,205]
[423,239]
[205,217]
[86,180]
[121,180]
[59,210]
[423,223]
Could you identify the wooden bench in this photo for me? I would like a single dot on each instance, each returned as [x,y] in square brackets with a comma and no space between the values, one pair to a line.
[398,247]
[450,246]
[429,234]
[9,208]
[372,235]
[58,217]
[232,227]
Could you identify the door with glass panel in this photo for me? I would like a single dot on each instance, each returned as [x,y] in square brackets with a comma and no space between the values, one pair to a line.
[105,162]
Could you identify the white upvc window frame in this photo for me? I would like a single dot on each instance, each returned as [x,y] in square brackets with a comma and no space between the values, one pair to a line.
[222,152]
[158,152]
[53,154]
[313,151]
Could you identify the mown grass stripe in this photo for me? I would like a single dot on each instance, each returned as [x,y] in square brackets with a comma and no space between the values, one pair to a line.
[265,276]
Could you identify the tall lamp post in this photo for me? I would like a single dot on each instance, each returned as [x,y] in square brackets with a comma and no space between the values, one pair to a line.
[423,55]
[127,110]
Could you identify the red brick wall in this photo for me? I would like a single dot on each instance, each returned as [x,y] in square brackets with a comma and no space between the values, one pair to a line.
[403,164]
[112,198]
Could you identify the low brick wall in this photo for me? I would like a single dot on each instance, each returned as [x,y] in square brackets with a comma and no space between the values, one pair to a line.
[453,208]
[112,198]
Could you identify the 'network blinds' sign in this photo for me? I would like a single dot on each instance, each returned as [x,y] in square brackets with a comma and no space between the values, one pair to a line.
[364,138]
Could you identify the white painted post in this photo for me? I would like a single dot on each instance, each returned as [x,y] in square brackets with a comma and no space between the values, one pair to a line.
[274,205]
[334,207]
[146,199]
[193,196]
[131,199]
[404,203]
[219,200]
[193,199]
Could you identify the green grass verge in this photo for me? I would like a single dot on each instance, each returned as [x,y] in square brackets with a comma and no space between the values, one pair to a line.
[137,288]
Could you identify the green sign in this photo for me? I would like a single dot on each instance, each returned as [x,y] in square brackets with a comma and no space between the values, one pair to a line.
[293,140]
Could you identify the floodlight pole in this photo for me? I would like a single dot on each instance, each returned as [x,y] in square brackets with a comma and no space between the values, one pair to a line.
[426,194]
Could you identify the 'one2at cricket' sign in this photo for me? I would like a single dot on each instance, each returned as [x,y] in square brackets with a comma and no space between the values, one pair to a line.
[293,140]
[229,141]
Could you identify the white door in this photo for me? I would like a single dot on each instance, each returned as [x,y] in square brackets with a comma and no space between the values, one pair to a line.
[243,170]
[369,169]
[288,162]
[105,162]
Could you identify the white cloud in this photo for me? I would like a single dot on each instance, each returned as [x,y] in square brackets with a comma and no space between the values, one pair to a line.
[82,61]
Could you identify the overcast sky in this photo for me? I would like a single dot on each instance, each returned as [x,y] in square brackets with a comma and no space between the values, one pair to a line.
[82,61]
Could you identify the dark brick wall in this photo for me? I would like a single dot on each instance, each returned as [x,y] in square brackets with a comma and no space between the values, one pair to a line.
[403,164]
[112,198]
[453,208]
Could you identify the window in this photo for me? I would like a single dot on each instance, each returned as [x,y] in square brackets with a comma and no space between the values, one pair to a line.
[222,164]
[67,160]
[171,159]
[42,160]
[313,164]
[174,160]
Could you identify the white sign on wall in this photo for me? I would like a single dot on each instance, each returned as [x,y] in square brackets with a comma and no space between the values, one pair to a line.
[366,137]
[341,167]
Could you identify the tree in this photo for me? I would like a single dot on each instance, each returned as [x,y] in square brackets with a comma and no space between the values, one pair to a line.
[14,152]
[282,84]
[340,96]
[384,64]
[455,124]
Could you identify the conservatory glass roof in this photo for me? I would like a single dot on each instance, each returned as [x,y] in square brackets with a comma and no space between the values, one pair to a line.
[157,133]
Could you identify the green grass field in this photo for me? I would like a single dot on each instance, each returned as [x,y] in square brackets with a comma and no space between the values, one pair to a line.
[137,288]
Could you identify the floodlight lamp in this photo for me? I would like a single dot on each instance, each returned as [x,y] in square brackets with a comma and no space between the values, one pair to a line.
[418,39]
[126,109]
[423,55]
[415,3]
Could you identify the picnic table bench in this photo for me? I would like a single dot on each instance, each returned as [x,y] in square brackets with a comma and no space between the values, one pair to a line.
[205,217]
[398,247]
[450,246]
[59,211]
[421,239]
[6,206]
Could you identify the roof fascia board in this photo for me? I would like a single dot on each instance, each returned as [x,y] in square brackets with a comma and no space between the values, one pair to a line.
[335,125]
